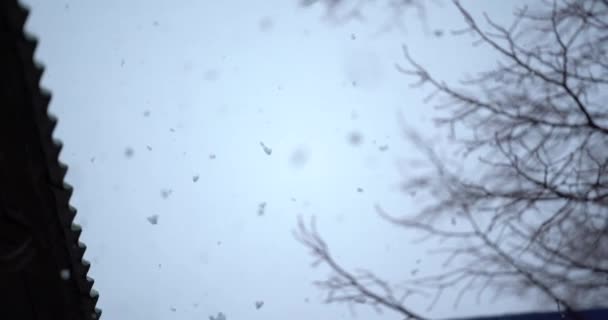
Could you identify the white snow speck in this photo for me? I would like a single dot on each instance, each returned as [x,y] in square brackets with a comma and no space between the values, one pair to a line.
[165,193]
[261,208]
[153,219]
[299,157]
[355,138]
[65,274]
[267,150]
[129,152]
[259,304]
[265,24]
[211,74]
[220,316]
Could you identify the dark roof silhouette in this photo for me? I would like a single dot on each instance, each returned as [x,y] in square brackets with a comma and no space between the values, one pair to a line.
[42,273]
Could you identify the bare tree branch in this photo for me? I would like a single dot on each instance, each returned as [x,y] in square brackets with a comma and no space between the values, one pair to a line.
[347,287]
[535,208]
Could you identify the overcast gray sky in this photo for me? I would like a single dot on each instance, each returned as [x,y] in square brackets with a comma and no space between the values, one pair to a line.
[163,108]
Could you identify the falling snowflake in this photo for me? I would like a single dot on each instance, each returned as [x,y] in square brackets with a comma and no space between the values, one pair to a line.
[129,152]
[195,178]
[267,150]
[220,316]
[153,219]
[266,24]
[261,208]
[65,274]
[211,74]
[149,148]
[355,138]
[353,36]
[212,156]
[165,193]
[299,157]
[173,309]
[383,148]
[259,304]
[147,113]
[359,189]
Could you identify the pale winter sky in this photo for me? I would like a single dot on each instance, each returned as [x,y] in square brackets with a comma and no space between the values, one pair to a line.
[163,108]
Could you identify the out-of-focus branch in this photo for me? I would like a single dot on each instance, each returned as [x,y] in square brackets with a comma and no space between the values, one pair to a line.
[535,207]
[348,287]
[545,145]
[344,11]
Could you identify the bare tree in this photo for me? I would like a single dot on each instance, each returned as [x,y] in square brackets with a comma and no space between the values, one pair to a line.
[536,209]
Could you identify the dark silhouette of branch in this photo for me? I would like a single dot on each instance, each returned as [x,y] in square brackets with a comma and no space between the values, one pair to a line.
[539,126]
[533,215]
[344,286]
